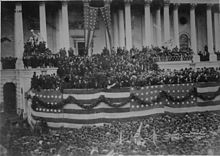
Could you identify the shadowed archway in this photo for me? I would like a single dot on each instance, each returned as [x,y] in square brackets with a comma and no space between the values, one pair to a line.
[9,93]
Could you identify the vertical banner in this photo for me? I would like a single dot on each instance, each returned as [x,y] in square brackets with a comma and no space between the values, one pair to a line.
[86,22]
[90,19]
[106,15]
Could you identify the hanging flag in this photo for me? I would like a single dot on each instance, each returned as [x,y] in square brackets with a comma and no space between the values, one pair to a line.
[90,20]
[106,15]
[86,22]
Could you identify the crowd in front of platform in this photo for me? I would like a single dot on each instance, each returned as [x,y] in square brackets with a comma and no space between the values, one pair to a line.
[162,134]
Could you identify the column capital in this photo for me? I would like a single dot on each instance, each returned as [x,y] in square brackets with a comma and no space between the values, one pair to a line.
[107,1]
[18,7]
[166,2]
[209,6]
[147,2]
[86,2]
[42,3]
[128,1]
[193,5]
[65,2]
[176,5]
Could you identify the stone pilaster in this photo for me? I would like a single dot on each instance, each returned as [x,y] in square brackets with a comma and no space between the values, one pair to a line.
[115,30]
[43,22]
[121,28]
[158,23]
[217,31]
[212,57]
[196,57]
[65,26]
[19,36]
[176,25]
[0,42]
[166,20]
[128,28]
[147,23]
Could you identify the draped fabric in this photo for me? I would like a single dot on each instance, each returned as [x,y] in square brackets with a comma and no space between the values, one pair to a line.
[79,107]
[90,20]
[106,15]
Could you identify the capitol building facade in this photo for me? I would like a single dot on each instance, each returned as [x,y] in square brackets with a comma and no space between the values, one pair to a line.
[134,23]
[191,24]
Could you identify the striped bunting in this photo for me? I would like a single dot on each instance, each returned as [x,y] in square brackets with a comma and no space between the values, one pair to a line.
[73,116]
[208,90]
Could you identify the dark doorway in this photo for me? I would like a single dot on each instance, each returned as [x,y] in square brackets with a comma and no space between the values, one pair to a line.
[81,48]
[9,93]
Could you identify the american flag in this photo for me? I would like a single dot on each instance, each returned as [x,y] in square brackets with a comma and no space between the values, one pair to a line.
[106,15]
[149,96]
[120,105]
[90,20]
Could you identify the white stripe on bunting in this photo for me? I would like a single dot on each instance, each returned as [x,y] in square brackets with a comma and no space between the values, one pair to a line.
[97,95]
[207,89]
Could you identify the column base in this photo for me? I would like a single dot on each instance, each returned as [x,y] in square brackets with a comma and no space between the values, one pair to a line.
[19,64]
[212,57]
[196,58]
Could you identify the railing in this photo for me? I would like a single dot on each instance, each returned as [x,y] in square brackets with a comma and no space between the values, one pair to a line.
[172,58]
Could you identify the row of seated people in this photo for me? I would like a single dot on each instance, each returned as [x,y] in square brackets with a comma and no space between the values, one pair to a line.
[125,78]
[195,133]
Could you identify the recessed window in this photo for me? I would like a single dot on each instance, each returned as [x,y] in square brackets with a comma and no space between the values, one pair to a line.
[183,20]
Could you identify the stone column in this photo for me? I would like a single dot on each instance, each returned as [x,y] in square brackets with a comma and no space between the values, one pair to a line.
[128,30]
[115,27]
[121,29]
[217,31]
[0,42]
[176,25]
[65,26]
[158,22]
[1,86]
[19,38]
[212,57]
[147,23]
[196,57]
[43,22]
[166,16]
[59,43]
[219,23]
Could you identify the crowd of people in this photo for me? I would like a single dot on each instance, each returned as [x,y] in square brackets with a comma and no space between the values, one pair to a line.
[86,77]
[8,62]
[36,54]
[162,134]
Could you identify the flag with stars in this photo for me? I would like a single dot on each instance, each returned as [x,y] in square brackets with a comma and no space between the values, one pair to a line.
[112,104]
[153,96]
[106,15]
[90,20]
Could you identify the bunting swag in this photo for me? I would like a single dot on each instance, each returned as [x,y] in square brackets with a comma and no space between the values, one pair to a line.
[90,20]
[36,102]
[106,15]
[79,107]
